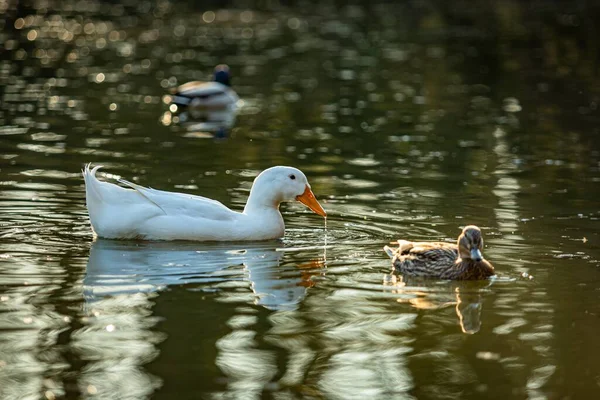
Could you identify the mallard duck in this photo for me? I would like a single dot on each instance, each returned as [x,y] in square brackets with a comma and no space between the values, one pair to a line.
[461,261]
[144,213]
[217,94]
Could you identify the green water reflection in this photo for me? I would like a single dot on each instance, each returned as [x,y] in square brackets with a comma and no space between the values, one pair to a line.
[409,120]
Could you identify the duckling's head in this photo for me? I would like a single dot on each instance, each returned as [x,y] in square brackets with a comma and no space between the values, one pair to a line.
[470,243]
[222,74]
[277,184]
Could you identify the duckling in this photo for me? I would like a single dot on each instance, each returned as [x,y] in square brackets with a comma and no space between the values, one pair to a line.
[461,261]
[217,94]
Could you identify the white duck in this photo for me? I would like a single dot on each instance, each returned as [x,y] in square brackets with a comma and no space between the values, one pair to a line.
[145,213]
[198,95]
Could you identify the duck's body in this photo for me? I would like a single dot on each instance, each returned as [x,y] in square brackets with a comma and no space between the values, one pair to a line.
[214,95]
[461,261]
[144,213]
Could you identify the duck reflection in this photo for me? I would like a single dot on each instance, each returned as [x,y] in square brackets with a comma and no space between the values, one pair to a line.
[153,299]
[465,296]
[116,267]
[202,122]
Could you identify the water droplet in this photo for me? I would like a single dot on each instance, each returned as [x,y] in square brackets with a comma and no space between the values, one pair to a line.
[246,16]
[208,17]
[294,23]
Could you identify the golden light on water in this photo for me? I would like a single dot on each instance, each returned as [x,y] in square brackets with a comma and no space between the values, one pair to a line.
[166,118]
[208,17]
[394,120]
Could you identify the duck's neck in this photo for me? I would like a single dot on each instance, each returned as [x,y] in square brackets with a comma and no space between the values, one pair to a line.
[222,80]
[261,201]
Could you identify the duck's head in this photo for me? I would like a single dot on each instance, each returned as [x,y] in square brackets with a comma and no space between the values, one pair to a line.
[277,184]
[470,243]
[222,74]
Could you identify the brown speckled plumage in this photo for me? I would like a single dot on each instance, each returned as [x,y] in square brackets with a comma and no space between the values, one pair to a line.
[461,261]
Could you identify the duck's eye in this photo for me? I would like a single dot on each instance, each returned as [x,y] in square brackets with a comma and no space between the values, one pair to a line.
[292,176]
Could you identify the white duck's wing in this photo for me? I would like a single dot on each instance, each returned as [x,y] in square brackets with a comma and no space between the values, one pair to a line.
[182,204]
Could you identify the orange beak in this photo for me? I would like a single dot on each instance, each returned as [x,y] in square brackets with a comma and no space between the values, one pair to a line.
[308,199]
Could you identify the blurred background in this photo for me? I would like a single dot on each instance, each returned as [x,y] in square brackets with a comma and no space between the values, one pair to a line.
[411,119]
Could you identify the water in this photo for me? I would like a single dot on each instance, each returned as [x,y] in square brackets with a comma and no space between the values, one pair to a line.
[410,122]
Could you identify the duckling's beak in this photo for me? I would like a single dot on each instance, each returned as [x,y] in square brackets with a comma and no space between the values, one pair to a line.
[476,254]
[308,199]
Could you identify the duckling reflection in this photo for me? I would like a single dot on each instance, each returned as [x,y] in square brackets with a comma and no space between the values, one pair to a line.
[465,296]
[122,267]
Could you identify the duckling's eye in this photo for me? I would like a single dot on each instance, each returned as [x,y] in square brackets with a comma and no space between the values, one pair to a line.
[292,177]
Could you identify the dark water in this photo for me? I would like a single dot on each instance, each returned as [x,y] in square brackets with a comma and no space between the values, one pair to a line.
[409,120]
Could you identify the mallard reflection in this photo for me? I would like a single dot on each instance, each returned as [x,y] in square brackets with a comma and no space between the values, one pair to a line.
[465,296]
[208,123]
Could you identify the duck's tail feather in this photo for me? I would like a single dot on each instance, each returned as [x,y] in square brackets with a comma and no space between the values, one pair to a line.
[91,182]
[180,100]
[141,190]
[390,252]
[93,194]
[404,245]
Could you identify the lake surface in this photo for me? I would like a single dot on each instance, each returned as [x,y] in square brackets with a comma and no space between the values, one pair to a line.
[410,122]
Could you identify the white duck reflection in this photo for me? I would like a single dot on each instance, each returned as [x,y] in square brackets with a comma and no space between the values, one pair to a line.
[122,267]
